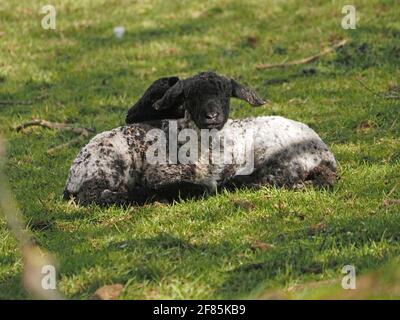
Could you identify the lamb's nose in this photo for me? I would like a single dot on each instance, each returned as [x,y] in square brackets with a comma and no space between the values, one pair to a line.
[212,115]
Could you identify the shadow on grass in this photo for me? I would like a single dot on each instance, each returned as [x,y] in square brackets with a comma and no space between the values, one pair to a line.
[306,251]
[297,257]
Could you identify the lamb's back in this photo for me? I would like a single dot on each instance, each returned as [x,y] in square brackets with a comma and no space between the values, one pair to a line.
[277,139]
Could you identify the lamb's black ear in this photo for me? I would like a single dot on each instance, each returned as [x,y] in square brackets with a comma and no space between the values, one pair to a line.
[246,94]
[173,98]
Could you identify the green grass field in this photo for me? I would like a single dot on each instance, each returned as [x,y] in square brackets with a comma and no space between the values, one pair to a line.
[231,245]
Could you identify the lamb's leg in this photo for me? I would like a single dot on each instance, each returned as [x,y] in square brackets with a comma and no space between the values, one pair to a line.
[97,191]
[139,196]
[322,176]
[167,192]
[109,197]
[88,193]
[238,182]
[180,190]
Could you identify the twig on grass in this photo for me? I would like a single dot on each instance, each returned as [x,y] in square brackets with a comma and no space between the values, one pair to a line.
[81,131]
[304,60]
[52,125]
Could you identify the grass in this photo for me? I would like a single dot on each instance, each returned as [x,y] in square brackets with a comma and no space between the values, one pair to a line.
[81,74]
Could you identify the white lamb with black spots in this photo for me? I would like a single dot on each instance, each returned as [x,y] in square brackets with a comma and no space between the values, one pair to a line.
[119,167]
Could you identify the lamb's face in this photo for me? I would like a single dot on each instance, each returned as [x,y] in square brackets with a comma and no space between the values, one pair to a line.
[208,104]
[205,97]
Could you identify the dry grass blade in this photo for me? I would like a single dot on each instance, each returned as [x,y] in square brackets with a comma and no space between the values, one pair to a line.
[34,259]
[377,94]
[22,102]
[15,103]
[304,60]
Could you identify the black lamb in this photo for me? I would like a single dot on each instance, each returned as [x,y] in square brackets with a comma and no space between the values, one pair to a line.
[206,94]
